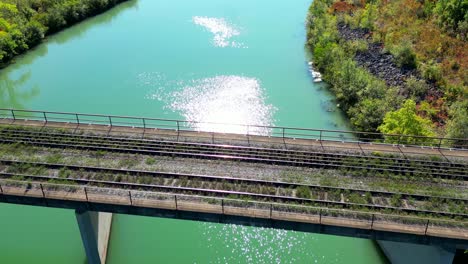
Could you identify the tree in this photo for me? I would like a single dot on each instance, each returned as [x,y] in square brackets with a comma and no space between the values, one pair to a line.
[367,115]
[452,13]
[406,122]
[457,126]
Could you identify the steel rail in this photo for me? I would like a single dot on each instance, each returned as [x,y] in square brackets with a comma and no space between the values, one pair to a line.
[280,184]
[291,161]
[224,193]
[224,146]
[252,151]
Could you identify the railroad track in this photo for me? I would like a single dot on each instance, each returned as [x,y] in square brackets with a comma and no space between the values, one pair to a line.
[437,169]
[217,186]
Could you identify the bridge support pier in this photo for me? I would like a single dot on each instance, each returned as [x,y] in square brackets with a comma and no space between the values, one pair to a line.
[95,230]
[408,253]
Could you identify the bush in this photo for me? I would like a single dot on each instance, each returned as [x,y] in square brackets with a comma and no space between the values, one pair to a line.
[431,71]
[452,14]
[457,127]
[404,56]
[303,192]
[34,32]
[416,88]
[367,115]
[369,16]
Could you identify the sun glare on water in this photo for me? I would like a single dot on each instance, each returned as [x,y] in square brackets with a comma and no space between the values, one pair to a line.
[227,99]
[224,103]
[222,31]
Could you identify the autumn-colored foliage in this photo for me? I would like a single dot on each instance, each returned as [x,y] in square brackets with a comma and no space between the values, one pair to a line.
[428,37]
[341,7]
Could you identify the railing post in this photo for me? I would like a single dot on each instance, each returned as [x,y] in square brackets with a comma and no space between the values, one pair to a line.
[178,130]
[13,114]
[45,117]
[77,119]
[320,138]
[42,189]
[222,205]
[130,196]
[284,140]
[320,216]
[440,142]
[372,222]
[427,226]
[1,190]
[144,123]
[110,121]
[271,210]
[86,194]
[175,200]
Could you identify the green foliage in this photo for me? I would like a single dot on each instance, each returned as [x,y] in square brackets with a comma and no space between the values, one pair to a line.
[453,15]
[404,56]
[54,158]
[416,88]
[25,23]
[395,200]
[367,114]
[150,161]
[405,121]
[431,71]
[457,127]
[303,192]
[64,173]
[355,46]
[369,16]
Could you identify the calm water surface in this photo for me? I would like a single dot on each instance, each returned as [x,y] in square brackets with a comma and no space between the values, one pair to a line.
[209,60]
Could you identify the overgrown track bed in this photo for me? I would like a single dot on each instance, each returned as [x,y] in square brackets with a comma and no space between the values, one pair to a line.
[216,186]
[352,162]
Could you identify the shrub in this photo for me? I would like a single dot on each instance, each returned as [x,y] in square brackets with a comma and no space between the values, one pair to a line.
[431,71]
[457,126]
[404,56]
[303,192]
[416,88]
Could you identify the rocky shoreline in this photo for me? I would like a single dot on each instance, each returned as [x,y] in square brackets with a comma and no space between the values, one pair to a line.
[381,64]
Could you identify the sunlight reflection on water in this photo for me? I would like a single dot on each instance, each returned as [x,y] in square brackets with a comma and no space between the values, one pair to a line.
[258,245]
[222,31]
[235,101]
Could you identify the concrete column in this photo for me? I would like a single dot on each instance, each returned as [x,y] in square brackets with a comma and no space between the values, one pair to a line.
[95,230]
[407,253]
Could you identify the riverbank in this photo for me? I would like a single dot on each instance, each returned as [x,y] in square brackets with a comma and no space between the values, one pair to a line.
[25,24]
[375,62]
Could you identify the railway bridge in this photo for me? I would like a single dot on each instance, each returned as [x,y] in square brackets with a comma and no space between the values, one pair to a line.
[408,197]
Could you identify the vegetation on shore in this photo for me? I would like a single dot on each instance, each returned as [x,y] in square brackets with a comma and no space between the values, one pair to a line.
[426,42]
[25,23]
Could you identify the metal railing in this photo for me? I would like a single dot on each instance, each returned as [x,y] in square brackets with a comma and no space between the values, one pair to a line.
[226,206]
[284,133]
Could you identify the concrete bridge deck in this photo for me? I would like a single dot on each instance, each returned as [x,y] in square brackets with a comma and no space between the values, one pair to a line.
[294,217]
[385,227]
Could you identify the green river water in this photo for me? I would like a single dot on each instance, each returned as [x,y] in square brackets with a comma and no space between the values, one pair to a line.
[209,60]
